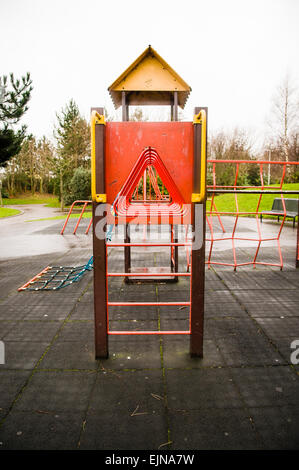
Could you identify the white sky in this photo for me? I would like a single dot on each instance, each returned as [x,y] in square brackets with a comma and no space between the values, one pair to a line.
[233,53]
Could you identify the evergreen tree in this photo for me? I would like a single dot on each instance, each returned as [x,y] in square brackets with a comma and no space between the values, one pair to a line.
[72,135]
[13,105]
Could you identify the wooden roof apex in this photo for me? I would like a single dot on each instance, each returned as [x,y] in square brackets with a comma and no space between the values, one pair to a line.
[149,80]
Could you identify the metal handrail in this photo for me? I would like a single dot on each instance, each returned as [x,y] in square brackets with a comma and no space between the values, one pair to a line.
[201,118]
[95,118]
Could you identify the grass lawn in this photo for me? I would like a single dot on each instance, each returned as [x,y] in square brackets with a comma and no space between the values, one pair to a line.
[28,198]
[7,212]
[224,202]
[48,199]
[248,202]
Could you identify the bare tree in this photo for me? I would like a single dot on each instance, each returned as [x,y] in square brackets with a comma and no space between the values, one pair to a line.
[45,161]
[138,115]
[284,116]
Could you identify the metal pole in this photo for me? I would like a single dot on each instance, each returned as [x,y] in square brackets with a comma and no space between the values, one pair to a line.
[144,185]
[269,170]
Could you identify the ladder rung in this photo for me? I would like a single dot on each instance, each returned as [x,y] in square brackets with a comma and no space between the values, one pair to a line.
[187,332]
[144,304]
[148,274]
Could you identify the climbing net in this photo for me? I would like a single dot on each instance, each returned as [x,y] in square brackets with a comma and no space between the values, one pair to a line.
[57,277]
[218,233]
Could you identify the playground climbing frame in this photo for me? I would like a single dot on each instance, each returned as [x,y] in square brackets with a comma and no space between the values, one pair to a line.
[113,176]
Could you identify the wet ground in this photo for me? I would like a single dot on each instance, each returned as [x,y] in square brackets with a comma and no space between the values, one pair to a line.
[149,393]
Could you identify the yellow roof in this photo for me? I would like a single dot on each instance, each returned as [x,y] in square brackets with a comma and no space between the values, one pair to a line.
[149,80]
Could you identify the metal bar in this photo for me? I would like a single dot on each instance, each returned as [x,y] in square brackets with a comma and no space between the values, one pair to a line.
[215,186]
[80,217]
[284,217]
[213,160]
[70,212]
[252,191]
[127,247]
[244,213]
[268,264]
[188,256]
[241,238]
[67,218]
[210,224]
[144,186]
[245,264]
[148,244]
[217,213]
[158,201]
[283,175]
[176,249]
[171,248]
[144,304]
[257,217]
[280,254]
[147,274]
[179,332]
[89,225]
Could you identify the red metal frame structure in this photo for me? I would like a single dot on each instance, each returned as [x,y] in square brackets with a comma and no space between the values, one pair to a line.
[237,190]
[212,190]
[114,180]
[141,211]
[85,204]
[151,176]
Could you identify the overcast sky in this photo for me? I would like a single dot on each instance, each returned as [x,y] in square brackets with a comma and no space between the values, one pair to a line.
[233,53]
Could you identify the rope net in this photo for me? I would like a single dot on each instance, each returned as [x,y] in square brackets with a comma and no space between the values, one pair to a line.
[57,277]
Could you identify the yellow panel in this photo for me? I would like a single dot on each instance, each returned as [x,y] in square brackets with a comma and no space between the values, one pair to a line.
[150,75]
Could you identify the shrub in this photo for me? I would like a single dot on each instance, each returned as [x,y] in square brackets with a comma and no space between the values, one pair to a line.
[79,187]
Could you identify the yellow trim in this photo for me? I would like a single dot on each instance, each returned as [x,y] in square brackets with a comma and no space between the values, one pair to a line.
[195,197]
[100,119]
[95,119]
[101,197]
[201,118]
[197,119]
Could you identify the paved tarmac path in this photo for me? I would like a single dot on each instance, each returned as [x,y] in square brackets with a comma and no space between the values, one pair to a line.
[25,235]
